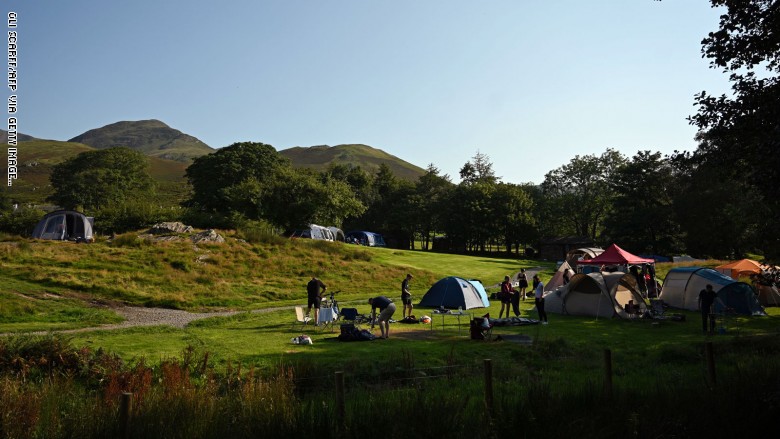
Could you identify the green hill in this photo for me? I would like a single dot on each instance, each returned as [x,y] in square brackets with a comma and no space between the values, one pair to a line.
[368,158]
[38,157]
[19,137]
[151,137]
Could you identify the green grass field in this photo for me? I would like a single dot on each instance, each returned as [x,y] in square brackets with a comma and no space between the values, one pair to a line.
[53,286]
[434,371]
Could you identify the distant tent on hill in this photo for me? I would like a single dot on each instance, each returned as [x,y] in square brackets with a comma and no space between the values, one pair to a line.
[596,294]
[64,225]
[455,292]
[682,286]
[363,237]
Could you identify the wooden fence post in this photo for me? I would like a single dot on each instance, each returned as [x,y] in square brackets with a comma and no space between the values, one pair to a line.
[125,409]
[607,373]
[710,357]
[489,386]
[340,411]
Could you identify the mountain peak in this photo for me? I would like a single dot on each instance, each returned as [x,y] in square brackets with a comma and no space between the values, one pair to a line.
[151,137]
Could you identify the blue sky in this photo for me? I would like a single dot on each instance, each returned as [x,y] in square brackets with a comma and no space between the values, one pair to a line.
[531,84]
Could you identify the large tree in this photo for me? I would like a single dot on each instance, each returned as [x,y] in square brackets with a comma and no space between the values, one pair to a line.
[578,195]
[642,216]
[429,204]
[235,179]
[742,132]
[101,178]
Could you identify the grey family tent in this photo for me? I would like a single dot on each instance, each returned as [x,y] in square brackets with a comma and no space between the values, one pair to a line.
[338,234]
[682,286]
[455,292]
[315,232]
[558,278]
[363,237]
[64,225]
[768,295]
[574,256]
[597,295]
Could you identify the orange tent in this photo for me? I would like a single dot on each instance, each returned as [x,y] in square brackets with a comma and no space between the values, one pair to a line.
[744,267]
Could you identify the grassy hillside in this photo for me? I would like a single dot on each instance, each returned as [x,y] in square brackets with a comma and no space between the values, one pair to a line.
[36,160]
[38,157]
[20,137]
[234,275]
[151,137]
[368,158]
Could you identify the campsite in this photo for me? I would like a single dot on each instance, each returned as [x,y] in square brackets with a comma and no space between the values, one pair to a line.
[537,370]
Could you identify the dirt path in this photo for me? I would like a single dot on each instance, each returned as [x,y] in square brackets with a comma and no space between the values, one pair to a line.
[136,316]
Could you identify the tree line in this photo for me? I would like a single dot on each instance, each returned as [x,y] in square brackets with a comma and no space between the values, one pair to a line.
[720,200]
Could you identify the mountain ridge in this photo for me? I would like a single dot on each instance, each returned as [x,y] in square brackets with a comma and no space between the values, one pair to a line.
[151,137]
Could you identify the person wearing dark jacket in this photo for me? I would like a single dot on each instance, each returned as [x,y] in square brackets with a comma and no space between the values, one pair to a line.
[707,298]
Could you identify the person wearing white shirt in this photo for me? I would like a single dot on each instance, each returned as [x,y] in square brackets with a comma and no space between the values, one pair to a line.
[539,299]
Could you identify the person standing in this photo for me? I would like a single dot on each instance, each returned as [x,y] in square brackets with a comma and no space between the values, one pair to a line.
[506,296]
[314,289]
[386,309]
[406,296]
[539,298]
[707,297]
[522,283]
[515,300]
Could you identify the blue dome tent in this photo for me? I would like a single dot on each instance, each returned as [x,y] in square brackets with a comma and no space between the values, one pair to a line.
[455,292]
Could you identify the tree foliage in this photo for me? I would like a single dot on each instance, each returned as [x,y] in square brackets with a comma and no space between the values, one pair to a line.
[235,179]
[642,216]
[97,179]
[579,194]
[742,132]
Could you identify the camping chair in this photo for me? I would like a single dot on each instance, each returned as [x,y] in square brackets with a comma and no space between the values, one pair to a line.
[350,315]
[301,318]
[481,328]
[657,308]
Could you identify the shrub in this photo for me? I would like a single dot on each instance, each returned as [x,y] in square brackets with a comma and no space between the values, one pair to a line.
[260,232]
[21,221]
[132,215]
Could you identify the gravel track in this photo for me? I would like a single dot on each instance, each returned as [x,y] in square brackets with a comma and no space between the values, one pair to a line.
[136,316]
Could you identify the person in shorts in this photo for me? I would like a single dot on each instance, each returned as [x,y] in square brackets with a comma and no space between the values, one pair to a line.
[314,290]
[386,309]
[406,296]
[522,283]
